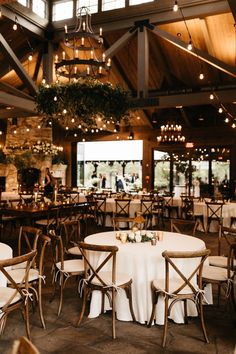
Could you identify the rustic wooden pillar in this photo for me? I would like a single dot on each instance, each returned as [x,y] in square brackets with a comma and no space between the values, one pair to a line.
[147,165]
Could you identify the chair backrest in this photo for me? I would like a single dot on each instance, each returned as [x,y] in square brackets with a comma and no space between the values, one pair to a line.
[146,206]
[227,234]
[214,210]
[187,207]
[191,276]
[23,346]
[43,242]
[57,249]
[70,232]
[122,207]
[21,287]
[100,204]
[28,239]
[52,217]
[184,226]
[107,262]
[231,260]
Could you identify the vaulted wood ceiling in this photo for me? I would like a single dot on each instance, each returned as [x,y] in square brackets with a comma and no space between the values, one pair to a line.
[147,44]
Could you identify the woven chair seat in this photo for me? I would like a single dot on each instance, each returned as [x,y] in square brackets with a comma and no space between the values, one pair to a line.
[6,294]
[121,278]
[215,273]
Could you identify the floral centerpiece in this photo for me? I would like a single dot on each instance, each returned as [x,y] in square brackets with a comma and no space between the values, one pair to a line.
[139,236]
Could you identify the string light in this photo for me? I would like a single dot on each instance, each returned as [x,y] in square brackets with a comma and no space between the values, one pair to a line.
[176,6]
[212,96]
[190,45]
[15,24]
[201,76]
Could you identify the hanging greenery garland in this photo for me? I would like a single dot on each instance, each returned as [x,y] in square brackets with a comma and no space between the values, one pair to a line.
[83,102]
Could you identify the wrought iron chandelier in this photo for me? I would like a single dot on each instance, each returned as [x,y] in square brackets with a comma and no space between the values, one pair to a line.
[87,58]
[171,133]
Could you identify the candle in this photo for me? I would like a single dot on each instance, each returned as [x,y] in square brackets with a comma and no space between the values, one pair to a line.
[55,196]
[91,54]
[75,69]
[82,41]
[100,32]
[83,26]
[76,53]
[63,55]
[104,57]
[109,62]
[88,70]
[65,28]
[35,197]
[56,58]
[100,70]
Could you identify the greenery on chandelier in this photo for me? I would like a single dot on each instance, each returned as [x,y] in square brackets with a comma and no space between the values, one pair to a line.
[83,102]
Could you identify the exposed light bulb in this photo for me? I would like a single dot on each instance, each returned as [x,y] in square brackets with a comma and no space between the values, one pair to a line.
[211,96]
[190,46]
[30,57]
[220,110]
[233,125]
[201,76]
[15,26]
[226,120]
[176,6]
[43,81]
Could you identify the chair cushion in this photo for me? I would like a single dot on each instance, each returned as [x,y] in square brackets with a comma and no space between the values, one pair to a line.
[174,285]
[121,278]
[215,273]
[74,250]
[5,295]
[220,261]
[72,266]
[17,274]
[19,265]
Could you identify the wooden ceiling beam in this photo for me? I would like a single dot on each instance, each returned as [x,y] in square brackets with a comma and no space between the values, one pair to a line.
[17,66]
[114,48]
[10,89]
[18,102]
[232,5]
[142,62]
[185,99]
[218,64]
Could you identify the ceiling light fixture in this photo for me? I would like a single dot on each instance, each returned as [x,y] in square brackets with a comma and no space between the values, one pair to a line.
[171,133]
[176,6]
[212,96]
[15,24]
[201,76]
[190,45]
[84,46]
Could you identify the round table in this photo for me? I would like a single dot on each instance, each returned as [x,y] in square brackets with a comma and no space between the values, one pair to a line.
[5,253]
[144,262]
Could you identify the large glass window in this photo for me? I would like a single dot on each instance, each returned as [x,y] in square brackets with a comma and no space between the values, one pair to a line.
[137,2]
[112,4]
[91,4]
[39,7]
[110,159]
[161,171]
[62,10]
[23,2]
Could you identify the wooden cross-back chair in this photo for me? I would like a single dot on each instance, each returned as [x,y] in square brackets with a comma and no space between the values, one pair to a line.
[101,210]
[223,277]
[31,238]
[170,208]
[122,210]
[183,285]
[17,296]
[214,213]
[158,210]
[62,268]
[104,277]
[51,222]
[146,210]
[70,232]
[187,207]
[184,226]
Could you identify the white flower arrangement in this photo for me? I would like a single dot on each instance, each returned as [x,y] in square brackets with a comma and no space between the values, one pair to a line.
[40,147]
[139,236]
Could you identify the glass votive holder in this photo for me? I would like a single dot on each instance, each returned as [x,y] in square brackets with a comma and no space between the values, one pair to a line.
[153,241]
[123,237]
[118,235]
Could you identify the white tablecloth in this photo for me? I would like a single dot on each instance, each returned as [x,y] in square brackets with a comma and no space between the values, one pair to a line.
[144,262]
[5,253]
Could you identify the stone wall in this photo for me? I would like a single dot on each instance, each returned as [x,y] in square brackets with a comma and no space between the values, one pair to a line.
[25,132]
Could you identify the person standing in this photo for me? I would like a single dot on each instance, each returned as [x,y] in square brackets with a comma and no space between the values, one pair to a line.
[48,184]
[104,179]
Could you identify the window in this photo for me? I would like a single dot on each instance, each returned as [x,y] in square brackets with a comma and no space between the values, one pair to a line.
[137,2]
[62,10]
[112,4]
[91,4]
[23,2]
[39,7]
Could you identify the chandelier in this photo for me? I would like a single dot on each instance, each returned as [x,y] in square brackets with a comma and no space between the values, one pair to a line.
[86,46]
[171,133]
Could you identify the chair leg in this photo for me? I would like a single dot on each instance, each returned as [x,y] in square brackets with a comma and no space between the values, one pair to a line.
[26,318]
[85,295]
[165,322]
[128,291]
[40,304]
[185,312]
[202,320]
[154,303]
[113,313]
[62,283]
